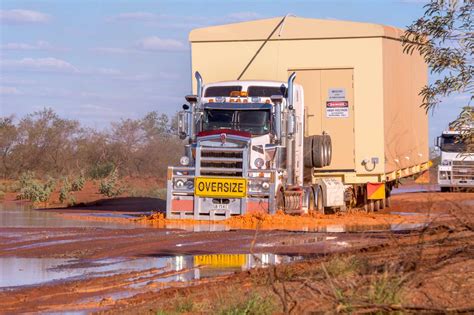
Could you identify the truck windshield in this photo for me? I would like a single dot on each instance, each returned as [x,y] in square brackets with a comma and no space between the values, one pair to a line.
[257,122]
[452,143]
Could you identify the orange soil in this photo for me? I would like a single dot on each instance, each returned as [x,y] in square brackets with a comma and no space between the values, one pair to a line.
[285,221]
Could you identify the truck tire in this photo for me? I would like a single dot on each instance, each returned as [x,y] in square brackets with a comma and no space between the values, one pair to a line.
[328,149]
[308,152]
[318,151]
[319,200]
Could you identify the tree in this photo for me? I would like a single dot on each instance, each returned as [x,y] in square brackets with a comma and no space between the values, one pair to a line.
[8,140]
[444,36]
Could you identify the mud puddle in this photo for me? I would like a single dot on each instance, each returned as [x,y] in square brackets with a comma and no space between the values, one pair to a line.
[20,214]
[16,272]
[415,188]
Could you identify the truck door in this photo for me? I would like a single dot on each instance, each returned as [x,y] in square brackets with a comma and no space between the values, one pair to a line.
[329,107]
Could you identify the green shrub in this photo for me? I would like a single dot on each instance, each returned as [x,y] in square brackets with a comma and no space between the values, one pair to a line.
[385,289]
[102,170]
[184,306]
[78,183]
[33,190]
[109,186]
[254,304]
[64,191]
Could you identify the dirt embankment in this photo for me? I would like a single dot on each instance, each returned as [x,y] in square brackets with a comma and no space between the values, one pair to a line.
[430,271]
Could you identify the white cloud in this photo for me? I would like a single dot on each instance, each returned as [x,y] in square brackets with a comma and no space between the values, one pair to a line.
[134,16]
[49,64]
[23,16]
[243,16]
[155,43]
[114,50]
[108,71]
[6,90]
[39,45]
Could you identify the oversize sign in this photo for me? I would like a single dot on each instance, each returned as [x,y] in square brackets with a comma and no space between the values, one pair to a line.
[337,109]
[220,187]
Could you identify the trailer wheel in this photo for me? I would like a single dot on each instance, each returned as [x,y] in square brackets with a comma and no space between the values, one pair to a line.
[377,205]
[308,152]
[327,143]
[318,151]
[369,206]
[387,202]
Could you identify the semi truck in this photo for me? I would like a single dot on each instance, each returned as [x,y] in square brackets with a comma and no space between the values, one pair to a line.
[456,167]
[339,131]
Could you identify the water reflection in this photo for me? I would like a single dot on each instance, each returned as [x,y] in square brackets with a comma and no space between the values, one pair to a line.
[16,271]
[20,214]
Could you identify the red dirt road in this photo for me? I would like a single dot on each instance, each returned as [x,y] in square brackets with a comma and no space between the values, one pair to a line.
[170,257]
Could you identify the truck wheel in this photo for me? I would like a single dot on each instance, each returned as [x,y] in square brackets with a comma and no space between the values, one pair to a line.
[312,202]
[280,200]
[327,143]
[319,201]
[318,151]
[445,189]
[308,152]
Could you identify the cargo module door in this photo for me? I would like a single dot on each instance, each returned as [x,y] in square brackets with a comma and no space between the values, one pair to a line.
[329,107]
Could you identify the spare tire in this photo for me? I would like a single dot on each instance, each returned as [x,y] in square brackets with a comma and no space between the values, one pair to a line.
[318,151]
[308,152]
[327,149]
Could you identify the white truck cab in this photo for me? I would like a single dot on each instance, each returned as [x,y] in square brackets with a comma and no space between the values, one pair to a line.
[456,168]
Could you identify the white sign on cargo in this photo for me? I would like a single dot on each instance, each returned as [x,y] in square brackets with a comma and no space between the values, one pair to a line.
[337,109]
[337,94]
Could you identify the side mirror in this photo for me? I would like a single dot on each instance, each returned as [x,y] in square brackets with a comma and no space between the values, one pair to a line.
[185,106]
[438,142]
[184,124]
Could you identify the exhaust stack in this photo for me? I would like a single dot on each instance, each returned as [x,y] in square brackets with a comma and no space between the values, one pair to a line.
[290,131]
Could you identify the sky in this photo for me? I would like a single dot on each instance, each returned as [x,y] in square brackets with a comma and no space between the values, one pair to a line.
[105,60]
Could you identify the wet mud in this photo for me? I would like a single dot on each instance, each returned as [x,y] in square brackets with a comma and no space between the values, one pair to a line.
[95,259]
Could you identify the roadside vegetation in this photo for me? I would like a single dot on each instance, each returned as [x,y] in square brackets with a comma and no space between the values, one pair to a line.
[42,154]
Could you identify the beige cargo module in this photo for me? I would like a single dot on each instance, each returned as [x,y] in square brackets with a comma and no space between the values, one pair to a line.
[359,87]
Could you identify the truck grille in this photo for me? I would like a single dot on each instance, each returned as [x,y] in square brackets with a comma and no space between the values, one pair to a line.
[463,170]
[221,161]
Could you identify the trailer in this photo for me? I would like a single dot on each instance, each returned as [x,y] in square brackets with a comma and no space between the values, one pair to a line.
[343,113]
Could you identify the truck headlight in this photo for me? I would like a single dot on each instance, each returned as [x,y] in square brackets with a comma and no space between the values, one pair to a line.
[190,184]
[446,162]
[265,185]
[259,162]
[179,183]
[184,160]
